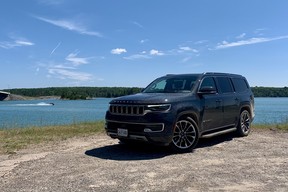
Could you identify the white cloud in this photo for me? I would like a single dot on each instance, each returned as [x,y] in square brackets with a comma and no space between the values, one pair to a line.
[71,26]
[260,31]
[241,36]
[118,51]
[68,74]
[137,56]
[65,71]
[156,52]
[201,42]
[60,66]
[250,41]
[16,43]
[188,49]
[72,57]
[185,48]
[23,43]
[137,24]
[184,60]
[55,48]
[143,41]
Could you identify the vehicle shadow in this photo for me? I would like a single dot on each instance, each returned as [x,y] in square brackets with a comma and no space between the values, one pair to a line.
[125,152]
[143,151]
[210,142]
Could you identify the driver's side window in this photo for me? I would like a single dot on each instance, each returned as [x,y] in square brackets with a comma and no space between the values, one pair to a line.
[208,82]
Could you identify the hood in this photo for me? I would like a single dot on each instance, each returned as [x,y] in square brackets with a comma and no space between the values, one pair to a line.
[149,98]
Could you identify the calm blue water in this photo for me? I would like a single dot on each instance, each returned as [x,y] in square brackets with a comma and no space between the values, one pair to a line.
[271,110]
[38,113]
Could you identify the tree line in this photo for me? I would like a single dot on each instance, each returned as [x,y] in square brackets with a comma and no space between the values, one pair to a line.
[74,93]
[270,91]
[110,92]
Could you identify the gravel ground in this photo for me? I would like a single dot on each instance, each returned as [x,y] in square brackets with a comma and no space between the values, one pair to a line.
[258,162]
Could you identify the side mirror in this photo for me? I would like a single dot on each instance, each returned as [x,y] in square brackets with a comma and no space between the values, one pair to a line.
[207,90]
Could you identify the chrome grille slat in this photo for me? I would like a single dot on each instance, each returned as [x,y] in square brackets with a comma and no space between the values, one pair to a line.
[127,109]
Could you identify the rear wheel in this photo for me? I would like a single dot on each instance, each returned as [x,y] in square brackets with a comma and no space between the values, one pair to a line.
[244,124]
[185,136]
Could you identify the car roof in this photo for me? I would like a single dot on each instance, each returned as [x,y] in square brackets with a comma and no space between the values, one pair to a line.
[207,74]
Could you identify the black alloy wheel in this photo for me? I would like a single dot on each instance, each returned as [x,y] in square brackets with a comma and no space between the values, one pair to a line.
[185,136]
[244,125]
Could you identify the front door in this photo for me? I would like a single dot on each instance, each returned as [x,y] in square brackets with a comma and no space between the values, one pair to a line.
[212,106]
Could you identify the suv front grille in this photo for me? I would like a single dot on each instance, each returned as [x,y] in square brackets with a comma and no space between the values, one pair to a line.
[127,109]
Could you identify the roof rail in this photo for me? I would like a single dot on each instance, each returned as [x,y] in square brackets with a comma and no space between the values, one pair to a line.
[218,73]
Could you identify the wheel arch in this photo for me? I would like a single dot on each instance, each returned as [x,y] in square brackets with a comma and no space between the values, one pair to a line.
[189,114]
[245,107]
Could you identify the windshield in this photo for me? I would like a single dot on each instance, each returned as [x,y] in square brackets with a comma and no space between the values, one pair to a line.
[172,84]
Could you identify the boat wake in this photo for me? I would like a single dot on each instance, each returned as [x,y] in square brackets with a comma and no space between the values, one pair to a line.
[36,104]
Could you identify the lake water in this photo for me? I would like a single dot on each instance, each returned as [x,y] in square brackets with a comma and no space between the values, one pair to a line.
[40,113]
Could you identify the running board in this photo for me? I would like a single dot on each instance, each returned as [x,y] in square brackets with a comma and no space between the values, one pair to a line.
[219,133]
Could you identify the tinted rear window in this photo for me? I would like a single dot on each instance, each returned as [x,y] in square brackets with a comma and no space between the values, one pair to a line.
[240,85]
[225,84]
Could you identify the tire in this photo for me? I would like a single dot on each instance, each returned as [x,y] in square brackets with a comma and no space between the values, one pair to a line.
[186,135]
[244,125]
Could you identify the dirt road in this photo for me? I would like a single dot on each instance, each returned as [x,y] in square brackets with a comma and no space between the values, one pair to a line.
[258,162]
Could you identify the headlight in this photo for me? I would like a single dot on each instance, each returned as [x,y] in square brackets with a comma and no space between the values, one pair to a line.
[160,107]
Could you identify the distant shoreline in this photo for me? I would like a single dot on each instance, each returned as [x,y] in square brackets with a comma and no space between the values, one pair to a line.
[13,97]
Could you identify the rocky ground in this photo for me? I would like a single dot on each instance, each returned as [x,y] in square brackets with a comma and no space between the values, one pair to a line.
[258,162]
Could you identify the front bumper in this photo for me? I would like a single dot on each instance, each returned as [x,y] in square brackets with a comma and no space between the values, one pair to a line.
[156,128]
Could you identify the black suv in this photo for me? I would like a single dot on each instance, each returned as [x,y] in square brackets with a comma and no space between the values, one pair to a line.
[177,110]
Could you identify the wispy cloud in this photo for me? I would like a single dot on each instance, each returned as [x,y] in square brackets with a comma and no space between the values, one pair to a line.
[144,41]
[72,57]
[137,56]
[184,60]
[55,48]
[64,71]
[137,24]
[201,42]
[225,44]
[118,51]
[145,55]
[260,31]
[16,43]
[241,36]
[68,69]
[182,49]
[69,74]
[71,26]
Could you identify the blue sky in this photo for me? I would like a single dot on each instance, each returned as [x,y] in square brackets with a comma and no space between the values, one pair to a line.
[56,43]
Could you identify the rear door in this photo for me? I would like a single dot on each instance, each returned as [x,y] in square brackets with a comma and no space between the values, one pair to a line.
[229,100]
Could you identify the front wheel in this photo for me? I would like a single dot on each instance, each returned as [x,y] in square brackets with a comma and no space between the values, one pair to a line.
[244,124]
[185,136]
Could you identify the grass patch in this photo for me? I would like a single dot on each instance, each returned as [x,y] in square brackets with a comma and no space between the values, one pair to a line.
[15,139]
[279,126]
